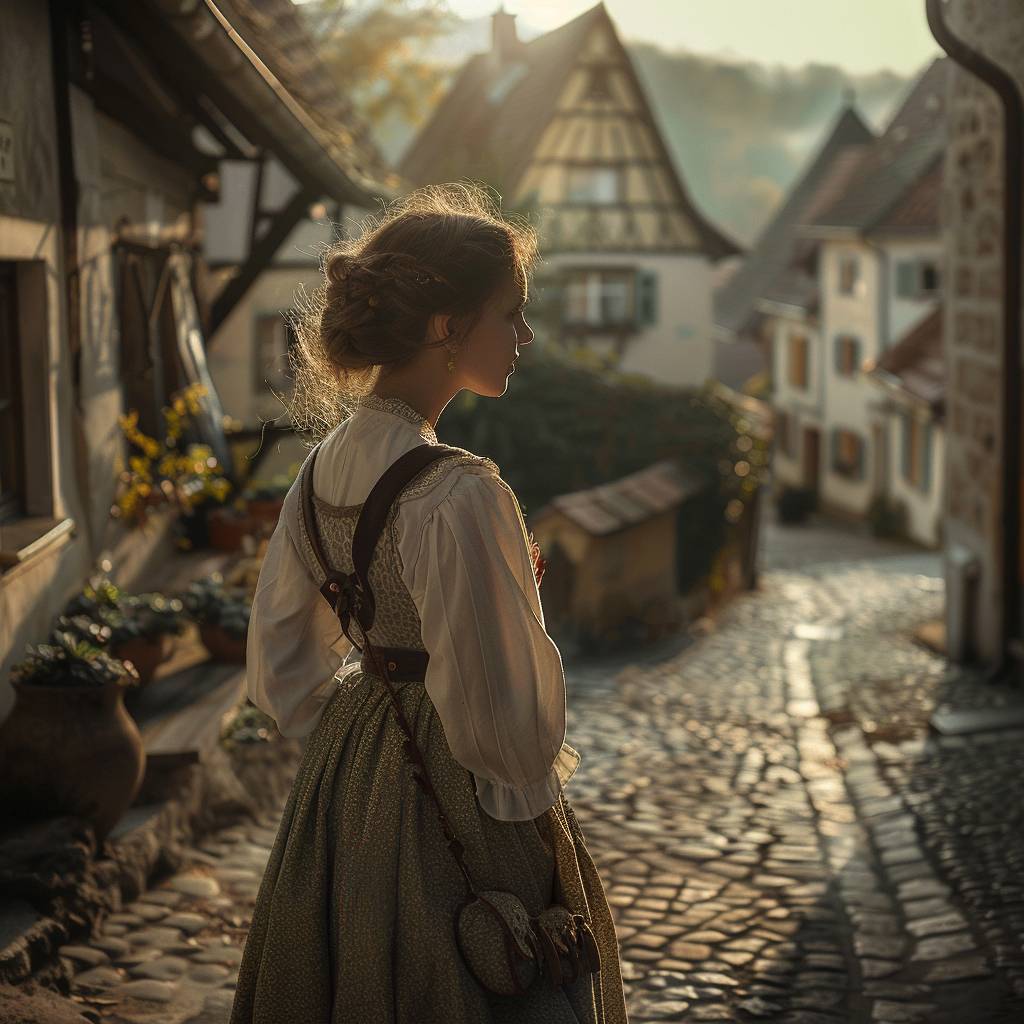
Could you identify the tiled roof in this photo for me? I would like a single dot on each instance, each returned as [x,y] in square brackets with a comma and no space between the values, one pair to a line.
[766,266]
[276,32]
[625,502]
[918,211]
[905,152]
[916,364]
[481,128]
[488,124]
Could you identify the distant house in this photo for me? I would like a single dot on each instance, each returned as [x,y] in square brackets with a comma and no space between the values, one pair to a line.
[277,211]
[878,272]
[912,373]
[744,331]
[561,126]
[612,551]
[768,312]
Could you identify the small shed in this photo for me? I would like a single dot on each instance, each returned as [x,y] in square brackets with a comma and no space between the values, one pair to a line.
[611,551]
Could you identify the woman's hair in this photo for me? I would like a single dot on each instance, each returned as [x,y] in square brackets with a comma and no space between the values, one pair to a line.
[441,249]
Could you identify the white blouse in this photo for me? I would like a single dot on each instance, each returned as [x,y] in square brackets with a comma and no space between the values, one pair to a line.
[494,675]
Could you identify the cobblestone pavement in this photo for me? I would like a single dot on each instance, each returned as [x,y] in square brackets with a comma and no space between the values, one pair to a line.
[779,836]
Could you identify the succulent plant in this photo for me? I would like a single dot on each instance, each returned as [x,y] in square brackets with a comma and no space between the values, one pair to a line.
[209,602]
[68,660]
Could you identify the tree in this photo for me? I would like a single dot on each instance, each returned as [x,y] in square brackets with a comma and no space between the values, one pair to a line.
[376,52]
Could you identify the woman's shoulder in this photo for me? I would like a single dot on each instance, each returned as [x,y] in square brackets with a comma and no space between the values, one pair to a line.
[439,479]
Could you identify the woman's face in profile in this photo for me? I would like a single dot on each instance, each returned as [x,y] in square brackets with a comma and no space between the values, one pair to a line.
[483,362]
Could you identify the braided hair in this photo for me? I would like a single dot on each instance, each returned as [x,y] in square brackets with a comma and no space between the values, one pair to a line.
[441,249]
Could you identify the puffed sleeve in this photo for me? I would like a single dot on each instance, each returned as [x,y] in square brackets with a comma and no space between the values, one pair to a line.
[494,674]
[295,644]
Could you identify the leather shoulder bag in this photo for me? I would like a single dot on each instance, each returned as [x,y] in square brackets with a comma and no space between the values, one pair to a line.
[505,949]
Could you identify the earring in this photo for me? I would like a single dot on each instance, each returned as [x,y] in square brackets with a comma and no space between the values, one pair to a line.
[451,360]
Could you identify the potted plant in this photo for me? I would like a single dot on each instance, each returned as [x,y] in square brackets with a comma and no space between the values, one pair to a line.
[229,525]
[171,471]
[265,498]
[222,614]
[69,746]
[141,626]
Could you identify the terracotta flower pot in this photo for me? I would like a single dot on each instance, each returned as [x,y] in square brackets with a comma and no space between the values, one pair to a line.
[222,645]
[227,528]
[70,750]
[267,510]
[144,654]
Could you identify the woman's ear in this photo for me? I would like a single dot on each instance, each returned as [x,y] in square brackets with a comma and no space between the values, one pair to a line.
[440,326]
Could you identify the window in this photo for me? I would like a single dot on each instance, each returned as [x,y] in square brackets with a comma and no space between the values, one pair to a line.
[273,336]
[592,185]
[847,454]
[847,354]
[600,298]
[797,361]
[783,423]
[917,452]
[12,458]
[917,279]
[849,275]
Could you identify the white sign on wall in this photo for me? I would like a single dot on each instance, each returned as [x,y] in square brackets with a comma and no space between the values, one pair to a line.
[6,151]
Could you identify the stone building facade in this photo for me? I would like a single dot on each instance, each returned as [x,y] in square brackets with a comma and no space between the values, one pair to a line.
[984,578]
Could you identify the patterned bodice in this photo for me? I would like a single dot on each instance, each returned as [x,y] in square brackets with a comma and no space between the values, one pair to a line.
[396,622]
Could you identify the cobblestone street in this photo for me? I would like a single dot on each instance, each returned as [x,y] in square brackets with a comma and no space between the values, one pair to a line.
[779,836]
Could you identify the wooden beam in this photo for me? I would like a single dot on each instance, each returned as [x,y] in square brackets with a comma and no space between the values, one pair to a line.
[259,259]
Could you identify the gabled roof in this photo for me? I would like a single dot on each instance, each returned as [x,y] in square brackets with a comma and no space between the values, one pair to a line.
[768,261]
[915,366]
[489,123]
[902,155]
[249,66]
[278,33]
[918,211]
[625,502]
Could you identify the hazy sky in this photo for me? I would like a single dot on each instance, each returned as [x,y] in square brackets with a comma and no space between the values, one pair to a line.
[858,35]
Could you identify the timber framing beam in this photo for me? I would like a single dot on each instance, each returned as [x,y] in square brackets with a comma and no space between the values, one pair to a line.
[261,255]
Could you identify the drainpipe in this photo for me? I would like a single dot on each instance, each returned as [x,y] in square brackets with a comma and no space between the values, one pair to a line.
[1013,171]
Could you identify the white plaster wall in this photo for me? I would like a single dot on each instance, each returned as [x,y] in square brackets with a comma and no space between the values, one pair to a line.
[924,508]
[678,350]
[905,313]
[231,354]
[848,402]
[803,406]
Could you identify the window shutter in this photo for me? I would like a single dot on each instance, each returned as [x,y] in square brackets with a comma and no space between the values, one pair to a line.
[906,279]
[926,482]
[861,458]
[837,354]
[647,298]
[833,448]
[855,346]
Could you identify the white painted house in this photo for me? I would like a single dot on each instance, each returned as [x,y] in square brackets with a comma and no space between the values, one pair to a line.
[866,272]
[878,273]
[562,128]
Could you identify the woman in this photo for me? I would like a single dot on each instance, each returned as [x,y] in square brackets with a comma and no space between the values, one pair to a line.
[354,922]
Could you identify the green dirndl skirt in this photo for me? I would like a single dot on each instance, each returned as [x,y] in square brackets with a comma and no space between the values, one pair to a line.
[354,922]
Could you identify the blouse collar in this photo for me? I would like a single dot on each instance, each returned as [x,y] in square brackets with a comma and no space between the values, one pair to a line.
[396,407]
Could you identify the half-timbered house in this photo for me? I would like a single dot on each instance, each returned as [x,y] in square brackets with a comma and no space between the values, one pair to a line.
[116,120]
[562,128]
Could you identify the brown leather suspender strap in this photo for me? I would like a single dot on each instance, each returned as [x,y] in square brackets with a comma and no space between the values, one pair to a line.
[349,594]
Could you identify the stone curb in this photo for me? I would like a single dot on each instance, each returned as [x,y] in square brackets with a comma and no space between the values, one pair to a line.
[55,887]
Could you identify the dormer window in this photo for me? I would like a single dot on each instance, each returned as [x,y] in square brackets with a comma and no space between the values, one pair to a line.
[593,185]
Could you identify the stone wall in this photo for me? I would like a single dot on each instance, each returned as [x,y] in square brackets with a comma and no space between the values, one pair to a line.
[973,203]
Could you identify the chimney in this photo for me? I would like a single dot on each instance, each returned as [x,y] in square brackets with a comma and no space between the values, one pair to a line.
[505,44]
